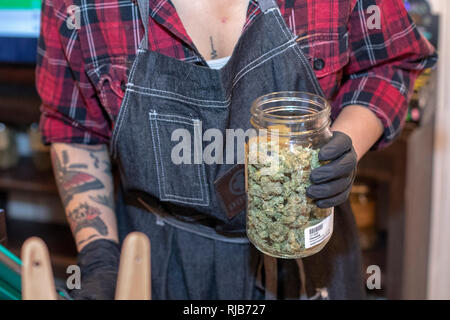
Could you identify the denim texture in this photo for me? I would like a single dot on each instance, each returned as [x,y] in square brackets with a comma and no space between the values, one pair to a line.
[188,228]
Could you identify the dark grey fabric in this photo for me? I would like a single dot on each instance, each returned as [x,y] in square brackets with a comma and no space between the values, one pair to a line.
[99,265]
[176,205]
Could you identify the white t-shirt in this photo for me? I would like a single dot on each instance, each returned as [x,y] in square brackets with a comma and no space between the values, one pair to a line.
[218,63]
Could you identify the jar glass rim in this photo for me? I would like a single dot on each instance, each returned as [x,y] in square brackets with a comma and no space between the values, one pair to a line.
[293,96]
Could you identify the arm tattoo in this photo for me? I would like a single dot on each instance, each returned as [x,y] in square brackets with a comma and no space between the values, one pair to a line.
[107,168]
[93,156]
[86,216]
[71,181]
[88,238]
[213,51]
[106,200]
[85,147]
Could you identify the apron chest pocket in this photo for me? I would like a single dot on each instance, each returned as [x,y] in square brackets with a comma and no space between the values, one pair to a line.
[180,169]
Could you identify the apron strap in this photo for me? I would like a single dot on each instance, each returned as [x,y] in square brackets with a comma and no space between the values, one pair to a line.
[302,277]
[144,9]
[266,5]
[271,277]
[192,227]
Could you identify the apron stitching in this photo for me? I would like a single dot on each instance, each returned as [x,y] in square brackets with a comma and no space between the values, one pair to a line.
[166,194]
[177,99]
[163,193]
[238,76]
[176,198]
[270,10]
[202,182]
[120,116]
[280,47]
[119,122]
[172,98]
[257,65]
[167,117]
[160,155]
[203,173]
[182,96]
[154,150]
[175,121]
[277,16]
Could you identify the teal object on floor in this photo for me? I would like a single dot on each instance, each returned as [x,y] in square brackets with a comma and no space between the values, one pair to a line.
[10,279]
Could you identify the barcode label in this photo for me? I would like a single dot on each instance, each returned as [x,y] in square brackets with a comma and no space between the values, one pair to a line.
[319,232]
[316,229]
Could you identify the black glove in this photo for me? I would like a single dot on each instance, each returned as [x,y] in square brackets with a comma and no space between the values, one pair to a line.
[99,264]
[331,183]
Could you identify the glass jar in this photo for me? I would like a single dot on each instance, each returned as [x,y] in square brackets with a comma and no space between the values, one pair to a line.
[282,221]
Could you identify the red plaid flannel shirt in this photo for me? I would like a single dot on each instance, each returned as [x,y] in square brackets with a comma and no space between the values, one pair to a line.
[81,73]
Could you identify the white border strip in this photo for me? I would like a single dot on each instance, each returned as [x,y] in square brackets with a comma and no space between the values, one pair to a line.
[438,286]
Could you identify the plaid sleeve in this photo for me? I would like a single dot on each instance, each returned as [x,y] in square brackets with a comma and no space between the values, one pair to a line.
[384,63]
[69,111]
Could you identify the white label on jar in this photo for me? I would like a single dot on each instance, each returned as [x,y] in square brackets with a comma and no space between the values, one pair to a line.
[319,232]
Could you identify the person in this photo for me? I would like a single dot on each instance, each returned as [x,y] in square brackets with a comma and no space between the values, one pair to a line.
[116,79]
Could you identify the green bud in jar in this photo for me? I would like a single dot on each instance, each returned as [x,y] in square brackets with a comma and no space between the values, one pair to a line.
[281,220]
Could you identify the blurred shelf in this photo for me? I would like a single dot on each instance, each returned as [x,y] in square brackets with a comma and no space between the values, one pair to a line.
[378,165]
[19,100]
[22,74]
[25,177]
[19,105]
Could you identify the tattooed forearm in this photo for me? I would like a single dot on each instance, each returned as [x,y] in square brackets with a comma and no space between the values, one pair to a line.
[107,167]
[87,239]
[86,187]
[95,148]
[86,216]
[93,156]
[106,200]
[72,181]
[213,51]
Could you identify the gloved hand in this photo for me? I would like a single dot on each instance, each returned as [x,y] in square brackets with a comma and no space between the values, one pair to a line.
[99,264]
[331,183]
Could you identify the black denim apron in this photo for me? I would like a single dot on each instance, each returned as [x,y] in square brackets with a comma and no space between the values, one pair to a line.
[198,252]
